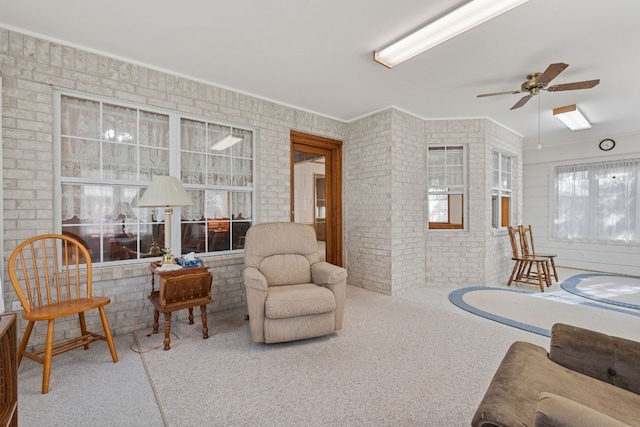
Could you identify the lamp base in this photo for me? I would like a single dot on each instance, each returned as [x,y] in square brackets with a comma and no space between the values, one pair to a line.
[168,257]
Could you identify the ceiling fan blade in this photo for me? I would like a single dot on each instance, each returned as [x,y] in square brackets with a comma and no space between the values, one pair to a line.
[552,72]
[522,101]
[499,93]
[587,84]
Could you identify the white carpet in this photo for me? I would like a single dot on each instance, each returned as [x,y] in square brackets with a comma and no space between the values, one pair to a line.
[395,363]
[88,389]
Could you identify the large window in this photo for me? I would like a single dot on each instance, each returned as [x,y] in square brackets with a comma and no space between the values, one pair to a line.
[446,182]
[597,201]
[501,190]
[109,154]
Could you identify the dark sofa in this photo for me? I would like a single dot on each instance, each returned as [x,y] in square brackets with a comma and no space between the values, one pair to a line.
[586,379]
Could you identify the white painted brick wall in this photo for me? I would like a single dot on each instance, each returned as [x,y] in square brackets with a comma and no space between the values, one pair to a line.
[389,246]
[386,243]
[32,67]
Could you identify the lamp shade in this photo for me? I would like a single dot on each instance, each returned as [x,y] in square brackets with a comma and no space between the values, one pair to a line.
[165,191]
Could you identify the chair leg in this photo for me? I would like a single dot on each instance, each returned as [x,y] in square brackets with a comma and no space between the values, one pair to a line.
[553,267]
[25,340]
[541,274]
[107,334]
[514,272]
[83,328]
[48,354]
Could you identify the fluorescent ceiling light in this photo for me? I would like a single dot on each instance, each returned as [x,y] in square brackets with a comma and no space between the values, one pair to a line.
[225,143]
[460,19]
[572,117]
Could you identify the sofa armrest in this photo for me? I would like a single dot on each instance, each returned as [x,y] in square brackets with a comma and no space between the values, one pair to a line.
[256,288]
[323,273]
[558,411]
[335,278]
[254,279]
[604,357]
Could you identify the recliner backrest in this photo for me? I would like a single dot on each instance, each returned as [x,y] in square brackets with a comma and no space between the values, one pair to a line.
[282,251]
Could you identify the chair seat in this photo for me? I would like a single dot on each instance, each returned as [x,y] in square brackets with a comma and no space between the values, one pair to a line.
[298,300]
[65,308]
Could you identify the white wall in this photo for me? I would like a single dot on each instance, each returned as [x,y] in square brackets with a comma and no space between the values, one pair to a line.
[537,205]
[305,190]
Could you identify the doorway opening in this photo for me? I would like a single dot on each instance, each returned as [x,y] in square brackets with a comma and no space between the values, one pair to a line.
[316,190]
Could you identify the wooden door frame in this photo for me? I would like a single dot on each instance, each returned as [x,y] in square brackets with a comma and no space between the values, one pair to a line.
[332,150]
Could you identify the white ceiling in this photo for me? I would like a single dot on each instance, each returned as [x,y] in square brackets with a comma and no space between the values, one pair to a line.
[317,55]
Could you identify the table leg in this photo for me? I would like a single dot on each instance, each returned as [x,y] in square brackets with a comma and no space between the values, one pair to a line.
[205,329]
[156,315]
[167,330]
[191,315]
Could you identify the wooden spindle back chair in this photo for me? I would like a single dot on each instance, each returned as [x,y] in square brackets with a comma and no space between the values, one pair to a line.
[523,268]
[528,248]
[52,277]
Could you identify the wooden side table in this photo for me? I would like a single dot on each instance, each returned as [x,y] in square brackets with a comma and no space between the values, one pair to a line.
[187,287]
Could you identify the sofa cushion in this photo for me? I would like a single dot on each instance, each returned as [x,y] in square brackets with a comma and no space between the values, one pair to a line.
[526,371]
[557,411]
[298,300]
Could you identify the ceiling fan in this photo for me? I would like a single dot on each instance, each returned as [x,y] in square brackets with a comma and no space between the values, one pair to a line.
[539,81]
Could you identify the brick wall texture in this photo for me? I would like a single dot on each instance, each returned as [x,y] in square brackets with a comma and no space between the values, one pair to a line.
[387,245]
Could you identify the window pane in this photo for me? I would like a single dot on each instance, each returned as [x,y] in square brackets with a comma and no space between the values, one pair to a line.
[219,170]
[154,129]
[438,208]
[80,118]
[153,162]
[193,167]
[193,136]
[105,141]
[80,158]
[120,161]
[120,124]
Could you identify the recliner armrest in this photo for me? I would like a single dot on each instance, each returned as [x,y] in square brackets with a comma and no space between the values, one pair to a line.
[558,411]
[601,356]
[254,279]
[323,273]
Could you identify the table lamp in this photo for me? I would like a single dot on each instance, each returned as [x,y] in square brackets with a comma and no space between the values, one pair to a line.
[166,191]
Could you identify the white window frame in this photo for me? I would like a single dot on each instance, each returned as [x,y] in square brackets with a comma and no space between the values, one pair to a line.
[174,170]
[503,189]
[448,190]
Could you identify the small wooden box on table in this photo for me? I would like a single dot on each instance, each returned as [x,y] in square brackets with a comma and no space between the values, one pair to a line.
[186,287]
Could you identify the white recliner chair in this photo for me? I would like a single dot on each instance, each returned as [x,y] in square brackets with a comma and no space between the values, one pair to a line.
[291,294]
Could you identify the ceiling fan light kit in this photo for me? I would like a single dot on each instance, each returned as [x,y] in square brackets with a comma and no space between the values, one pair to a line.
[463,17]
[572,117]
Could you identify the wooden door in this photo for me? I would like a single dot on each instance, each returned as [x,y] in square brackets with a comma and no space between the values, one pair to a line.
[316,190]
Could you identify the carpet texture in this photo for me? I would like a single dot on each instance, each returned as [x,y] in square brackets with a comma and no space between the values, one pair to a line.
[394,363]
[537,312]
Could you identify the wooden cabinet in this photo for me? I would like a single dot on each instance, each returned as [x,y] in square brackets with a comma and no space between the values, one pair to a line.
[8,371]
[180,289]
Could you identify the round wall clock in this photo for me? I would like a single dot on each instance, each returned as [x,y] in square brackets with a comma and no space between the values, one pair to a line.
[607,144]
